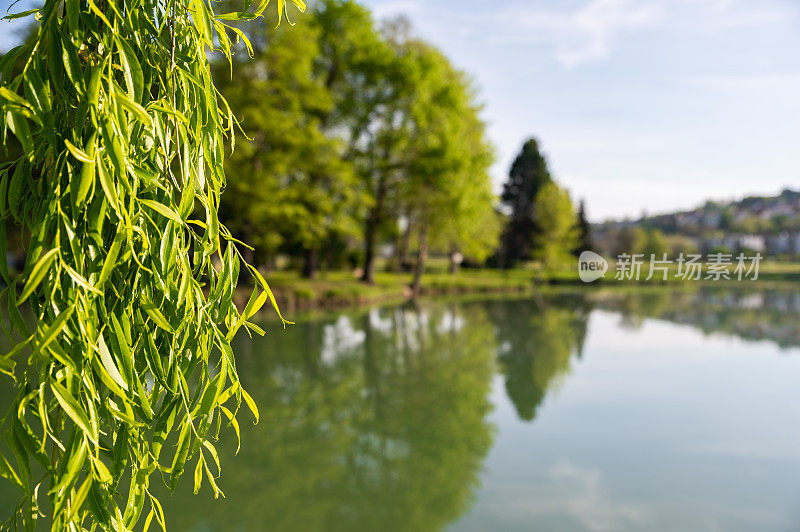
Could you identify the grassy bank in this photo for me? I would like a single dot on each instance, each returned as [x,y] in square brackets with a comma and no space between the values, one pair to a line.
[338,289]
[342,289]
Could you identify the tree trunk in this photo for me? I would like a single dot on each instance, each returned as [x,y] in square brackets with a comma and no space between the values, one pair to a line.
[311,263]
[370,234]
[368,276]
[402,249]
[394,264]
[422,256]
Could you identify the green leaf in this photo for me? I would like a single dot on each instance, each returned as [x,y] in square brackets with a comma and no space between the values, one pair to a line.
[108,363]
[69,56]
[234,424]
[156,316]
[76,458]
[3,256]
[15,187]
[19,126]
[202,19]
[21,14]
[37,274]
[163,210]
[74,411]
[213,450]
[108,188]
[198,475]
[14,98]
[78,153]
[131,69]
[263,284]
[250,404]
[101,472]
[86,176]
[111,258]
[55,328]
[7,472]
[135,109]
[187,197]
[80,495]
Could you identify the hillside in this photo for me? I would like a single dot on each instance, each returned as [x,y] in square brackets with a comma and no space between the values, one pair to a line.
[769,224]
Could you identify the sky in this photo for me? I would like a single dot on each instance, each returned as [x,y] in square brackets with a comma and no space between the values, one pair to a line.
[642,106]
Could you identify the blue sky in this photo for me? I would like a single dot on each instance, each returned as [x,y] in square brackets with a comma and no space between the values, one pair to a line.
[646,105]
[641,105]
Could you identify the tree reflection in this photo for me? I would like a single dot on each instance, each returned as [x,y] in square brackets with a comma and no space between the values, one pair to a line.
[539,342]
[372,421]
[746,313]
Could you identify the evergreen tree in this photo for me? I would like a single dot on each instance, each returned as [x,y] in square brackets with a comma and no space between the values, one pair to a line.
[529,173]
[584,231]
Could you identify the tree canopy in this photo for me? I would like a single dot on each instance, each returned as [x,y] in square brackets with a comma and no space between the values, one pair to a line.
[556,222]
[292,188]
[391,135]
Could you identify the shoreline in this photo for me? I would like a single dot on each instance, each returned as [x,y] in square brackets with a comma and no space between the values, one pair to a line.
[343,290]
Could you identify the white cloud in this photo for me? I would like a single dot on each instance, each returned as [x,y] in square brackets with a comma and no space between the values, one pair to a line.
[585,34]
[574,491]
[590,501]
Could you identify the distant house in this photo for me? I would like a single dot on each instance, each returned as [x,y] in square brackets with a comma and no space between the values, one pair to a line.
[754,242]
[735,243]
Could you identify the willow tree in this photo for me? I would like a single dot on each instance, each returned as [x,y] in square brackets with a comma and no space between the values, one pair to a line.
[127,369]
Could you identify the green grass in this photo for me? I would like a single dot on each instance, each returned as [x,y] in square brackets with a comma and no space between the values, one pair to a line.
[332,289]
[340,288]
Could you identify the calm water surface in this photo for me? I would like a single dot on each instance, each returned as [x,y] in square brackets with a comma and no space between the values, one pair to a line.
[656,411]
[663,411]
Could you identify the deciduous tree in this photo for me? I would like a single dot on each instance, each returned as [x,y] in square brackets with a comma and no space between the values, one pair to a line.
[293,188]
[555,220]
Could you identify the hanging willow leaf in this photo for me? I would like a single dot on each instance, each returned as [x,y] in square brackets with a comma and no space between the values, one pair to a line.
[162,209]
[73,410]
[37,274]
[122,130]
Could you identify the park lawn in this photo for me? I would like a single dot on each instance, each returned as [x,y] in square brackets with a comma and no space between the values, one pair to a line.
[342,288]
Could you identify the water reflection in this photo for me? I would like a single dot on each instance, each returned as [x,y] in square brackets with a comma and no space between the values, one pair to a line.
[371,421]
[539,341]
[757,315]
[446,414]
[381,419]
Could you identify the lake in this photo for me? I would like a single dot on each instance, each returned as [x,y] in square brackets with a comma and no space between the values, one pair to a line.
[656,410]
